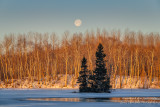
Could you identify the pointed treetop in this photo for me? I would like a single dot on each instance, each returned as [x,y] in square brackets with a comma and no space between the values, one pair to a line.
[100,51]
[84,61]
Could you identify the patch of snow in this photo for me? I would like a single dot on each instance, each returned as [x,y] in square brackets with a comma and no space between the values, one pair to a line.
[126,83]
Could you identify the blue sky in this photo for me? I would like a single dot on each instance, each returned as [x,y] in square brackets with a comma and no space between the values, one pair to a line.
[22,16]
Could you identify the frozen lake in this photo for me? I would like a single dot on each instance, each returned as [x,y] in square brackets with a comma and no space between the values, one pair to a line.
[66,98]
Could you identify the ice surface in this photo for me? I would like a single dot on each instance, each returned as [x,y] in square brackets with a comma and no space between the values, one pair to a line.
[17,97]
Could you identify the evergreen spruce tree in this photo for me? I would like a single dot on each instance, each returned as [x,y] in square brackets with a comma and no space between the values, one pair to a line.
[83,77]
[100,81]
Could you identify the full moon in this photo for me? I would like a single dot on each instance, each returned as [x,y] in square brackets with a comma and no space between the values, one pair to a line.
[77,22]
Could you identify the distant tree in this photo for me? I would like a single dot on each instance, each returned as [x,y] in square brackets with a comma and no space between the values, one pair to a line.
[100,81]
[83,77]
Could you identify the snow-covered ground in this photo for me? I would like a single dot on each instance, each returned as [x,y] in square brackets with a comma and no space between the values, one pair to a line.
[17,97]
[126,83]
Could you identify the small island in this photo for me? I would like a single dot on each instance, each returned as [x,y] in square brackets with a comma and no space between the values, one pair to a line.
[98,80]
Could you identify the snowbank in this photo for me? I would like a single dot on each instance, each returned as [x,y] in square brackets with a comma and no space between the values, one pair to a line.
[126,83]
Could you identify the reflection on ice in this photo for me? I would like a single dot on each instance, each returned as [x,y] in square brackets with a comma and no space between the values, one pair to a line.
[56,99]
[112,99]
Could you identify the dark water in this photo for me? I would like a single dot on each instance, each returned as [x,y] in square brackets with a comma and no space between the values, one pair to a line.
[112,99]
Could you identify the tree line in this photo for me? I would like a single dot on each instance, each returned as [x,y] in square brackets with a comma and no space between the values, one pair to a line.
[42,57]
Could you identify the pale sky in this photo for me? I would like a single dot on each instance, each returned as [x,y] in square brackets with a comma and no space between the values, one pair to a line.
[23,16]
